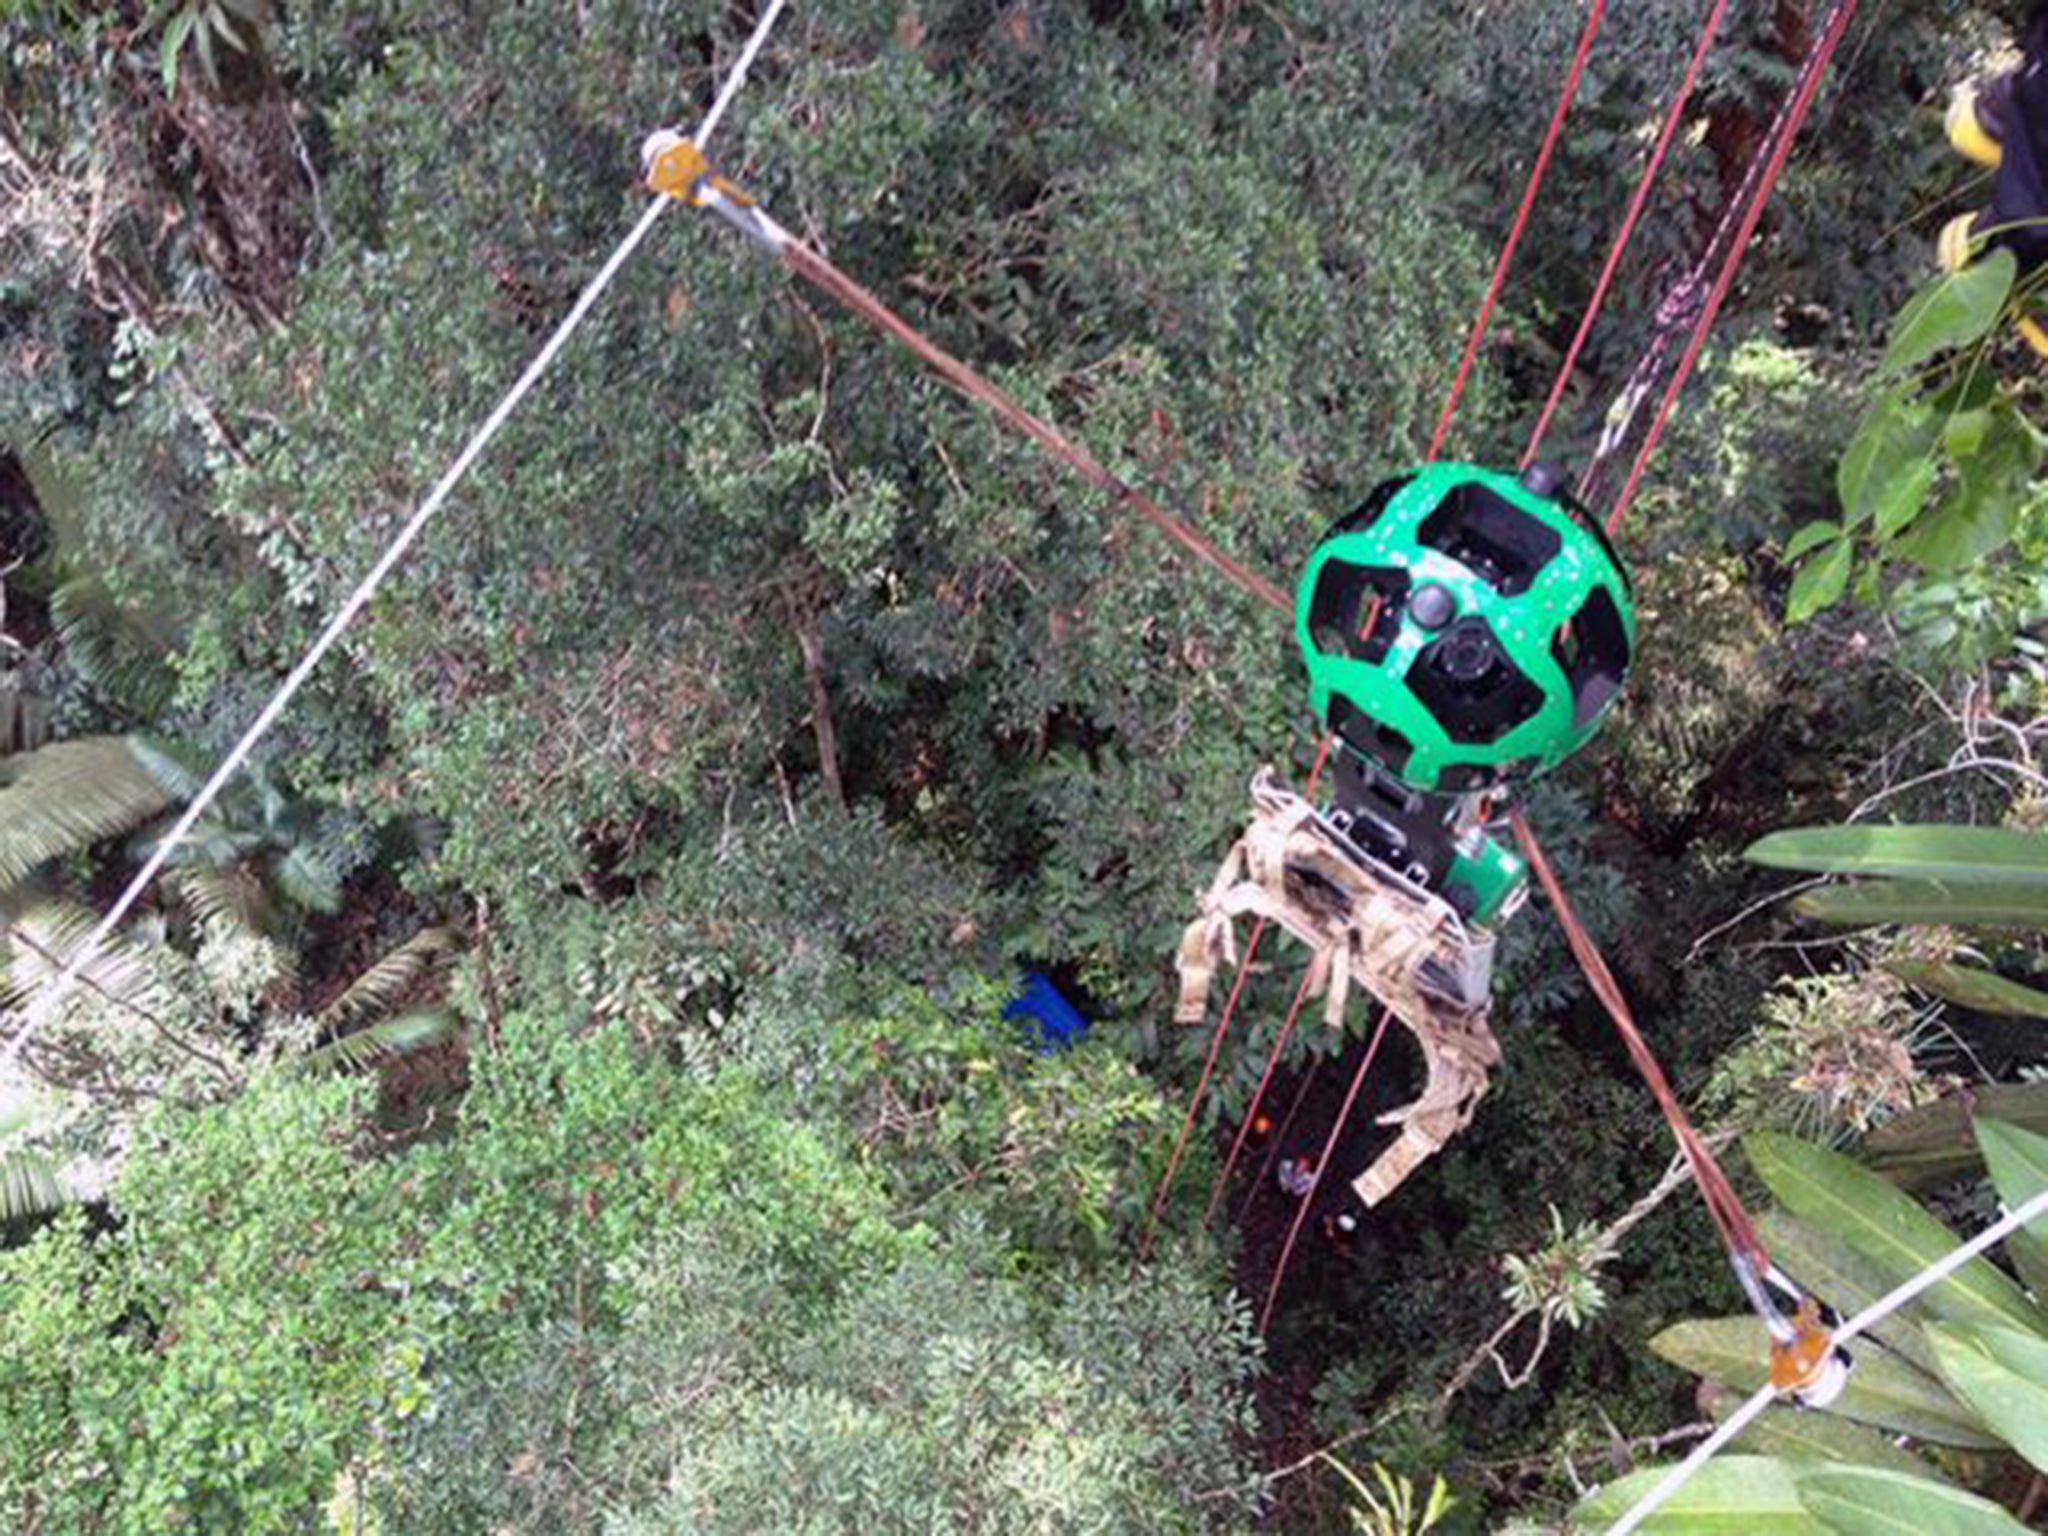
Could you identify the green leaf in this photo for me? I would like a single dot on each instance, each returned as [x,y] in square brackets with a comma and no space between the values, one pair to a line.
[1963,433]
[1933,1144]
[1798,1435]
[1983,504]
[1866,1501]
[2003,1374]
[1968,987]
[1820,582]
[1895,437]
[2018,1163]
[1927,901]
[1903,497]
[1729,1496]
[1849,1280]
[1880,1222]
[173,43]
[1981,855]
[1883,1392]
[68,796]
[1952,311]
[1811,537]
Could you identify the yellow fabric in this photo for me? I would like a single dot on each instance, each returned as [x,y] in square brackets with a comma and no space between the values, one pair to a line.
[1966,131]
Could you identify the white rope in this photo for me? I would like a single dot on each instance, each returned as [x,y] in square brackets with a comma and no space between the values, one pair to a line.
[50,997]
[1861,1323]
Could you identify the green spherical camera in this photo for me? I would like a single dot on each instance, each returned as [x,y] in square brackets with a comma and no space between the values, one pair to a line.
[1465,629]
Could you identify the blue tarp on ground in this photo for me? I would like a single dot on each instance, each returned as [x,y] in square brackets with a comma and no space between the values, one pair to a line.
[1054,1023]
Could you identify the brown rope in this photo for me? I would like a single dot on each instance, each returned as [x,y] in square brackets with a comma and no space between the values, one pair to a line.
[1723,1204]
[835,284]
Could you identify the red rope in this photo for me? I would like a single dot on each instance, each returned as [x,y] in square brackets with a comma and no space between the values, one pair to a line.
[1187,1124]
[1594,13]
[1244,965]
[1322,1167]
[1673,116]
[1781,151]
[1251,1114]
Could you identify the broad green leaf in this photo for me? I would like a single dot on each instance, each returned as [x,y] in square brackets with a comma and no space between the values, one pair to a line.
[2018,1162]
[1900,500]
[1820,582]
[1964,432]
[1850,1282]
[1971,988]
[1928,901]
[1931,1145]
[1952,311]
[1884,1224]
[1867,1501]
[2003,1374]
[1978,855]
[1812,536]
[1895,435]
[1883,1391]
[1729,1496]
[1982,506]
[1798,1435]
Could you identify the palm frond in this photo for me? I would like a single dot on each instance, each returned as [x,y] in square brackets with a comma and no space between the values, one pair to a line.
[305,877]
[174,765]
[366,1048]
[384,985]
[69,795]
[118,650]
[30,1185]
[232,897]
[41,942]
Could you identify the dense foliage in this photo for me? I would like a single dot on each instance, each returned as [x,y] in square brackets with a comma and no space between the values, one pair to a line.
[668,835]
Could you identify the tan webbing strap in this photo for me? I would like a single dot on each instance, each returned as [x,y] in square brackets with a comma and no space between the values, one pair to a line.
[1361,930]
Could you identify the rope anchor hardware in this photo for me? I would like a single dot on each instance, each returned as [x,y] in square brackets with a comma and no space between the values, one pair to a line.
[1807,1364]
[673,166]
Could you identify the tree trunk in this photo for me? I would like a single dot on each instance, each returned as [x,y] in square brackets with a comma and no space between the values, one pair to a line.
[240,125]
[804,620]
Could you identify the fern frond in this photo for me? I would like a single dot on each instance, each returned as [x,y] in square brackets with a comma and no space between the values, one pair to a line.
[68,796]
[30,1185]
[366,1048]
[41,942]
[117,650]
[384,984]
